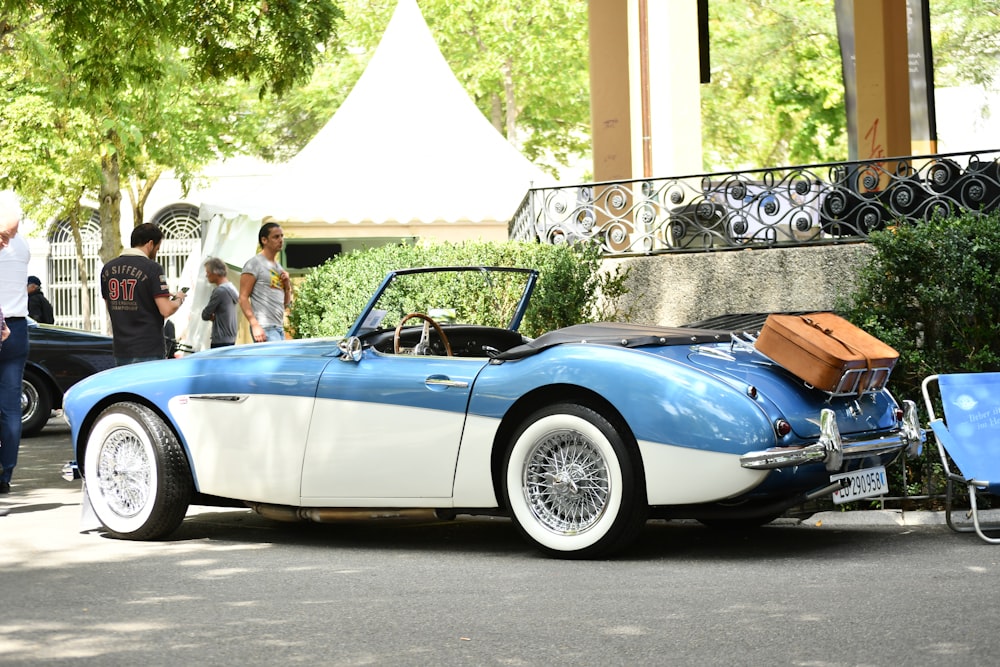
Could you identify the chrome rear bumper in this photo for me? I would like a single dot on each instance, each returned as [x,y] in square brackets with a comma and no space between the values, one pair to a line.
[831,449]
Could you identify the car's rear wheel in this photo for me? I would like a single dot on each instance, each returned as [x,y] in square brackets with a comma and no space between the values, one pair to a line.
[573,486]
[136,473]
[36,404]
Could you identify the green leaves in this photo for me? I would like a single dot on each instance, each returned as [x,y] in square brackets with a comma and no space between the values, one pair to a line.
[932,292]
[777,94]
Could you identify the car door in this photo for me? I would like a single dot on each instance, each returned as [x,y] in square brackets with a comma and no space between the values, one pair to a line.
[386,430]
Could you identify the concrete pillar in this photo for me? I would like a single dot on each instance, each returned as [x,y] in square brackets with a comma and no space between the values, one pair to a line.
[644,82]
[883,79]
[610,90]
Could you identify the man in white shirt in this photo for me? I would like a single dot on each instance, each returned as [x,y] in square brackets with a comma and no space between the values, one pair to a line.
[14,257]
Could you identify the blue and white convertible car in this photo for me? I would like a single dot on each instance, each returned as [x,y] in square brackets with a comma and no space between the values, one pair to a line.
[579,435]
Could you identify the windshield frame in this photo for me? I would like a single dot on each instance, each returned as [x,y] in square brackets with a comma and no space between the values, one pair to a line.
[363,324]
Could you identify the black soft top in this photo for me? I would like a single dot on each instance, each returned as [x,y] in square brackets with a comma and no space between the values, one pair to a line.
[617,334]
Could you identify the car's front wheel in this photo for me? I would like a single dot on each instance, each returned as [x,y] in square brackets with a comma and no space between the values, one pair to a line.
[36,404]
[136,473]
[573,485]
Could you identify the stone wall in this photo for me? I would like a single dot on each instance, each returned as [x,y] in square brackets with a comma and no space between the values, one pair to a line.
[676,289]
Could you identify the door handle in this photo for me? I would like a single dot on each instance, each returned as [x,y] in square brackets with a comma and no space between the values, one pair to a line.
[440,381]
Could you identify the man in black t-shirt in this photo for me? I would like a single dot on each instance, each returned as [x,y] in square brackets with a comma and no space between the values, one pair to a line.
[138,299]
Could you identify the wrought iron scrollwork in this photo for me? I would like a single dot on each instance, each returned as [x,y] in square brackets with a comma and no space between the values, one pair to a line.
[805,205]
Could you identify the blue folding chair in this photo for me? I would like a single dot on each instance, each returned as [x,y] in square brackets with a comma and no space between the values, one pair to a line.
[969,434]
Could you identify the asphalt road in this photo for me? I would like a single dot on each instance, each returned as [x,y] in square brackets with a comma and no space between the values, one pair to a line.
[231,588]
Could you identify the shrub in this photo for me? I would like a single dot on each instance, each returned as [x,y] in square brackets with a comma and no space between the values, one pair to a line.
[330,297]
[932,291]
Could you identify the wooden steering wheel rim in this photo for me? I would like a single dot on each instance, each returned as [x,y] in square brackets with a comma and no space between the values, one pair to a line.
[425,318]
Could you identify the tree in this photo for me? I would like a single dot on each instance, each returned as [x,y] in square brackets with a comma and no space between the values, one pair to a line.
[966,41]
[777,94]
[151,76]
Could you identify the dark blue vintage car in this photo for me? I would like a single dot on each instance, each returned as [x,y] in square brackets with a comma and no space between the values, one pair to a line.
[430,404]
[58,358]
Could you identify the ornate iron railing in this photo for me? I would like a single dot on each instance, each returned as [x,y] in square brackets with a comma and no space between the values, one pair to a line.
[805,205]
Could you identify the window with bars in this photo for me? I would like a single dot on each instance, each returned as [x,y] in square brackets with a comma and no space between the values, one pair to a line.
[64,289]
[181,234]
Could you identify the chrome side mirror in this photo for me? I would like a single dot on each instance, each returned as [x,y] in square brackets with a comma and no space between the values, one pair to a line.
[350,349]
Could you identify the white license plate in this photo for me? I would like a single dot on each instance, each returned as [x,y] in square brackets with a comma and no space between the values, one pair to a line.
[861,484]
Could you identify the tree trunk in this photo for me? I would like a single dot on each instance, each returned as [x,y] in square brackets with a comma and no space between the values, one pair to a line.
[496,112]
[110,207]
[511,106]
[138,194]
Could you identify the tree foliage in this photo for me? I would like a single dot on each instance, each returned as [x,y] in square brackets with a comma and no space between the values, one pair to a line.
[777,94]
[966,41]
[148,85]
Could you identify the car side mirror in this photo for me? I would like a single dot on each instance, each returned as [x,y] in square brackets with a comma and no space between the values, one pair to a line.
[350,349]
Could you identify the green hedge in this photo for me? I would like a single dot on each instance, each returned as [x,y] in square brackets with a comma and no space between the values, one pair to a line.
[330,297]
[932,291]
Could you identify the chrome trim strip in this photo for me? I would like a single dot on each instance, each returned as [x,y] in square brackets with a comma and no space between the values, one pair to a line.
[228,398]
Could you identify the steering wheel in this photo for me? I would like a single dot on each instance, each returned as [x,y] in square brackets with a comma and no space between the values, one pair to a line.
[423,344]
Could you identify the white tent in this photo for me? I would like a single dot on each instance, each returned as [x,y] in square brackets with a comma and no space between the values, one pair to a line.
[407,145]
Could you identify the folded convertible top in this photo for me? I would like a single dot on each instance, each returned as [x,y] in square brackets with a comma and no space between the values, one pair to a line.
[613,333]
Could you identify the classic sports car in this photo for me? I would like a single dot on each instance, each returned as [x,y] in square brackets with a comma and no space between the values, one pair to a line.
[579,435]
[58,358]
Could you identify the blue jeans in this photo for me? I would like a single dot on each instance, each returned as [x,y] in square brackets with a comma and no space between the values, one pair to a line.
[13,354]
[274,333]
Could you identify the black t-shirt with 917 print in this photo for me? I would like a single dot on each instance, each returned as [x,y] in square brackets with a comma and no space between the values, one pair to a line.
[130,284]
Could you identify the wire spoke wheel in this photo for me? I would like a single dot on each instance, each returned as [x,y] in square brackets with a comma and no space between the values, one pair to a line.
[573,482]
[124,473]
[136,474]
[566,483]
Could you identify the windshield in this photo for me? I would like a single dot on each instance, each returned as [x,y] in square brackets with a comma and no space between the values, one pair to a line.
[486,296]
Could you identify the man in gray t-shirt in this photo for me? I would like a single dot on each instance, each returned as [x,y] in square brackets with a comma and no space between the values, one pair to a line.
[221,307]
[265,288]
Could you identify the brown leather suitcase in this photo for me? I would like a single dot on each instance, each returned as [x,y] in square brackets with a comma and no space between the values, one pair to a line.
[827,352]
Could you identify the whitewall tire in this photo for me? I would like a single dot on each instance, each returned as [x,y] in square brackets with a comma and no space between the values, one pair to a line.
[137,476]
[572,485]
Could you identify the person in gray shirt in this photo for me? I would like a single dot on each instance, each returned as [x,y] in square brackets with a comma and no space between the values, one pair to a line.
[221,307]
[265,288]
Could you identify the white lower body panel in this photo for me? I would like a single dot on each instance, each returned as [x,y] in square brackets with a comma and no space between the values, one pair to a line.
[683,476]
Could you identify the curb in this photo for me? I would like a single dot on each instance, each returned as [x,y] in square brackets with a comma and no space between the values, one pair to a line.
[831,519]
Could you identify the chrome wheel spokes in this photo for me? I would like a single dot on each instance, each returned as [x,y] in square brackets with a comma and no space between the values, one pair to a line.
[124,473]
[566,482]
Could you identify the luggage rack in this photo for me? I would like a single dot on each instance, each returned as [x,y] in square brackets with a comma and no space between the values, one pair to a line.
[743,341]
[853,381]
